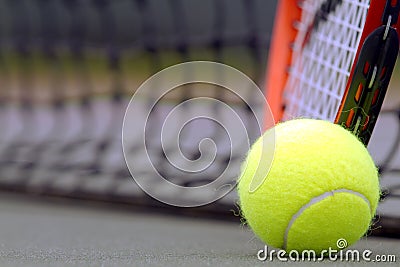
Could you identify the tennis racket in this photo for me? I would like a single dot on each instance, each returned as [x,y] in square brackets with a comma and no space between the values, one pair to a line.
[333,60]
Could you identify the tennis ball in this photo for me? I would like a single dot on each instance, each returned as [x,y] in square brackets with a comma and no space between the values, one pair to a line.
[322,186]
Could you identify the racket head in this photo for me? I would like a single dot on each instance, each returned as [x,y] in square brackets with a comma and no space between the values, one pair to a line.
[321,48]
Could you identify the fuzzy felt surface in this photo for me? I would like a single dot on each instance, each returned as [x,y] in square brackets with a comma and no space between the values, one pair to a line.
[311,158]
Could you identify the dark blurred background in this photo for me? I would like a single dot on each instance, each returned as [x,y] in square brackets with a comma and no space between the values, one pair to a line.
[68,69]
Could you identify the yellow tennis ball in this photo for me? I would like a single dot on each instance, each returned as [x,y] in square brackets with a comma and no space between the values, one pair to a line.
[322,187]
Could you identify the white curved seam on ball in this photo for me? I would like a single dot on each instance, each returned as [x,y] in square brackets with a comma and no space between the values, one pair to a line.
[316,200]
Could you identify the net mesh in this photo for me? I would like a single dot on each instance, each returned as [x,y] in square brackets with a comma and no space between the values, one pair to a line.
[69,68]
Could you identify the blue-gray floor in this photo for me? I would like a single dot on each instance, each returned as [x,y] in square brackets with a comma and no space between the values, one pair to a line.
[38,233]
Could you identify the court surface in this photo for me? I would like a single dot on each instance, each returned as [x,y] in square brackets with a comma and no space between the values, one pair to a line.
[34,232]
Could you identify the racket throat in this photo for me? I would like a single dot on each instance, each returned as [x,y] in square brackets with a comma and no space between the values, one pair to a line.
[365,94]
